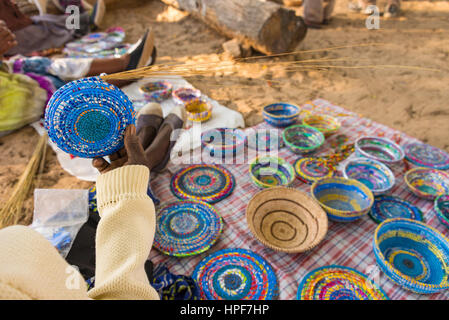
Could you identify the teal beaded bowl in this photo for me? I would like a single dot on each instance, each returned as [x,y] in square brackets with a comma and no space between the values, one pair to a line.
[344,200]
[442,209]
[427,183]
[413,255]
[302,139]
[380,149]
[87,118]
[374,174]
[266,172]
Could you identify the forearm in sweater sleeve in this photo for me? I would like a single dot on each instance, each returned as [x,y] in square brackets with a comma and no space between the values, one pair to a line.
[124,235]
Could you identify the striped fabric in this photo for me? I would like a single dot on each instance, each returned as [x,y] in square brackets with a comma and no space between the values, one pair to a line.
[346,244]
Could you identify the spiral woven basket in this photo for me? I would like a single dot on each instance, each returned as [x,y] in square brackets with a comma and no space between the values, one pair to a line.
[413,255]
[441,207]
[380,149]
[281,114]
[344,200]
[286,219]
[88,117]
[374,174]
[427,183]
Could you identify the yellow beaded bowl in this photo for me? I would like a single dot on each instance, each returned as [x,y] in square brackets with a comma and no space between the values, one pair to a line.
[198,110]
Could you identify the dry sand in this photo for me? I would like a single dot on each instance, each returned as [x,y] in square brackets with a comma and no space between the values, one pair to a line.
[413,101]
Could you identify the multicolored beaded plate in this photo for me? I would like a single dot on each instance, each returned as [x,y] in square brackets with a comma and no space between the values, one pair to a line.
[208,183]
[88,117]
[389,207]
[157,91]
[442,209]
[412,254]
[338,283]
[186,228]
[424,155]
[268,172]
[374,174]
[235,274]
[427,183]
[310,170]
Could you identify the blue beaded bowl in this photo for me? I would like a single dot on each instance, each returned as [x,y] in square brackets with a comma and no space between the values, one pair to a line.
[344,200]
[389,207]
[223,142]
[380,149]
[413,255]
[87,118]
[374,174]
[441,207]
[427,183]
[302,139]
[281,114]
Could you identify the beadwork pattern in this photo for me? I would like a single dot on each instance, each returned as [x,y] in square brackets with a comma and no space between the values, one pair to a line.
[424,155]
[389,207]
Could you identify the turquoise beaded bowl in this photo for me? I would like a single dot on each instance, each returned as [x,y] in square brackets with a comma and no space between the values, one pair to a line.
[344,200]
[281,114]
[413,255]
[427,183]
[441,207]
[302,139]
[380,149]
[374,174]
[266,172]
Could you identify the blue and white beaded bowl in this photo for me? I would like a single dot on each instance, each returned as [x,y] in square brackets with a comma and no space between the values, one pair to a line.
[380,149]
[301,139]
[441,207]
[344,200]
[281,114]
[413,255]
[427,183]
[223,142]
[87,118]
[374,174]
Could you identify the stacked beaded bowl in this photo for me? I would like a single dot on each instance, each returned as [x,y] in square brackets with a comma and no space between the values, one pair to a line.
[187,228]
[198,110]
[326,124]
[389,207]
[156,91]
[286,219]
[185,95]
[442,209]
[338,283]
[380,149]
[310,170]
[87,118]
[424,155]
[427,183]
[268,172]
[281,114]
[374,174]
[302,139]
[208,183]
[413,255]
[223,142]
[344,200]
[235,274]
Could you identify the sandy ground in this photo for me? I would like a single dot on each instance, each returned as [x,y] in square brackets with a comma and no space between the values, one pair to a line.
[411,100]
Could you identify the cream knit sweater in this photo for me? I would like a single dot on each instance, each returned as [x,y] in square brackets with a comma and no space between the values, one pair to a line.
[31,268]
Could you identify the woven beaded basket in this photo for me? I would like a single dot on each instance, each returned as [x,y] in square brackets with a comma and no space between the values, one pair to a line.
[380,149]
[88,117]
[302,139]
[268,172]
[441,207]
[281,114]
[427,183]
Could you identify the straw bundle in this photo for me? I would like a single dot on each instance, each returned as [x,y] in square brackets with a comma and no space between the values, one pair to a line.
[11,213]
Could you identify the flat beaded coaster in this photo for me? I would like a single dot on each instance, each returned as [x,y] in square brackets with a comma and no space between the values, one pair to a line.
[87,118]
[235,274]
[157,91]
[310,170]
[187,228]
[338,283]
[208,183]
[389,207]
[413,255]
[424,155]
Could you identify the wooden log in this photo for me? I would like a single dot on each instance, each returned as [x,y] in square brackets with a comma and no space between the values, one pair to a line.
[264,25]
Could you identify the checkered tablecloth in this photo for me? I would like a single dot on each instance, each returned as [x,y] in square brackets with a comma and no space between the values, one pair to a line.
[346,244]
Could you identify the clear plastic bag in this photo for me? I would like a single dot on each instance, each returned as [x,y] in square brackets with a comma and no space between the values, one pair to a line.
[59,215]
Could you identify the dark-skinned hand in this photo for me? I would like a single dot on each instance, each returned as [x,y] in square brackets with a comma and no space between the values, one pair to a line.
[7,38]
